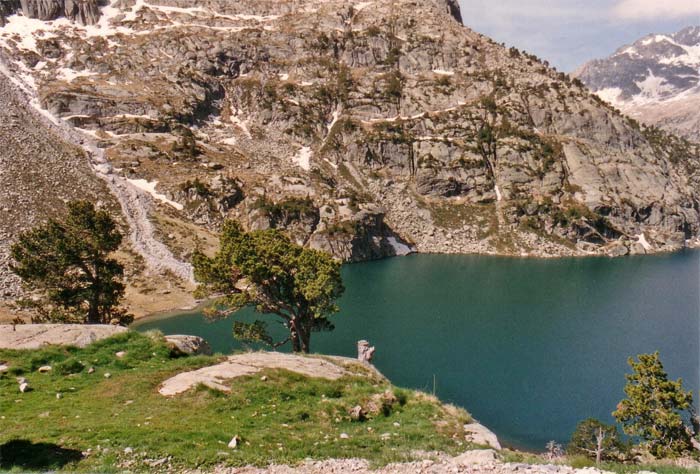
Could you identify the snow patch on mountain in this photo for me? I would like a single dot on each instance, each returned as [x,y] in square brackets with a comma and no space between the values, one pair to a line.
[611,95]
[654,89]
[150,188]
[303,158]
[652,80]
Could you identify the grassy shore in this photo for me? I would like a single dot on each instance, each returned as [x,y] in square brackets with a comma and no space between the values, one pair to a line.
[113,417]
[668,466]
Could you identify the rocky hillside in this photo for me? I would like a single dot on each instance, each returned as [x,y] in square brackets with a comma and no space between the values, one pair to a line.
[42,167]
[655,80]
[362,128]
[39,172]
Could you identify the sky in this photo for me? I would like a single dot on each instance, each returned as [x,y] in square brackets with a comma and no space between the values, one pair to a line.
[569,33]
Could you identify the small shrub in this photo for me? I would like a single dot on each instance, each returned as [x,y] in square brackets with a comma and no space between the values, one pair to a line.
[394,86]
[595,440]
[401,396]
[580,462]
[373,31]
[443,81]
[71,366]
[200,188]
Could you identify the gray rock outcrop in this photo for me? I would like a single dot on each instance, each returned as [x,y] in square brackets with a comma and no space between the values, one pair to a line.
[217,376]
[85,12]
[34,336]
[479,434]
[45,10]
[188,345]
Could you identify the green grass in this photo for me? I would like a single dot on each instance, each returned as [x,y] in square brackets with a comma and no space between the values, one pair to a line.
[455,216]
[283,419]
[657,468]
[580,462]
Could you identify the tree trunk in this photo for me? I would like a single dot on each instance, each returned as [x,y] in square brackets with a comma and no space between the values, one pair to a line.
[600,437]
[294,335]
[93,316]
[305,339]
[301,336]
[94,311]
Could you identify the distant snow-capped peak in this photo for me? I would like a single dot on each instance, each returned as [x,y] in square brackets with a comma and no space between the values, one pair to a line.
[656,68]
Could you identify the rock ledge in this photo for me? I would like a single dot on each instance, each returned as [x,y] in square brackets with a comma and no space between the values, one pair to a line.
[34,336]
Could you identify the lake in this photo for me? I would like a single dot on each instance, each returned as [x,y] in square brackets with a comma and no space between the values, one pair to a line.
[529,347]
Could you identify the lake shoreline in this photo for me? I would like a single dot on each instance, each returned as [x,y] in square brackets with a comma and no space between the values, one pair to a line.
[531,346]
[165,309]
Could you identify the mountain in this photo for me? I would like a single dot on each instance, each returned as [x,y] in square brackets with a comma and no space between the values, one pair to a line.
[655,80]
[364,128]
[34,157]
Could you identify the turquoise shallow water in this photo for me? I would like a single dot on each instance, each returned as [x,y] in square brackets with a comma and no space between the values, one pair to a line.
[529,347]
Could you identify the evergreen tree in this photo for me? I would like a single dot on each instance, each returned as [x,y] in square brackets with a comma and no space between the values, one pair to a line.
[653,409]
[69,262]
[595,439]
[265,270]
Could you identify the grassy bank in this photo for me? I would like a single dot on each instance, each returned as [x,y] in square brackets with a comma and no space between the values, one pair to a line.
[662,466]
[112,417]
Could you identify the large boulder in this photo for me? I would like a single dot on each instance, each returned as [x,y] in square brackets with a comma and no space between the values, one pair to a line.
[188,345]
[479,434]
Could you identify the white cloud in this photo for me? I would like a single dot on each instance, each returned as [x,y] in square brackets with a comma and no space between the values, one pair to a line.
[655,9]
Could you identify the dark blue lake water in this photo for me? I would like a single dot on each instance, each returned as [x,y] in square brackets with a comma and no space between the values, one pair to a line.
[529,347]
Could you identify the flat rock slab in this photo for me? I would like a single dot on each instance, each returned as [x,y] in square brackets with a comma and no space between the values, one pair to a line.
[215,376]
[34,336]
[479,434]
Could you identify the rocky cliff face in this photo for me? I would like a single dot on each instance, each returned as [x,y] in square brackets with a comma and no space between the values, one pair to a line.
[655,80]
[7,7]
[85,12]
[362,128]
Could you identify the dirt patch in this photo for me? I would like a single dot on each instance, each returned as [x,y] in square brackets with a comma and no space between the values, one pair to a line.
[142,301]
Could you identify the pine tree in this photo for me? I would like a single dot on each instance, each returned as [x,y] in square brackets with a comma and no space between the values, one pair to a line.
[265,270]
[595,439]
[654,406]
[69,263]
